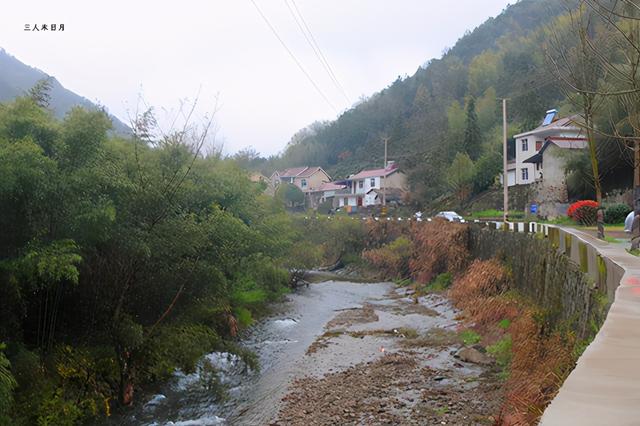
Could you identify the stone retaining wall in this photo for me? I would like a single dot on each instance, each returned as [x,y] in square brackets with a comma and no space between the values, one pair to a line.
[547,275]
[604,387]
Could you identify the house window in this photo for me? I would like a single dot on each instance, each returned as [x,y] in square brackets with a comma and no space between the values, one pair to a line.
[525,145]
[525,174]
[345,201]
[303,183]
[373,182]
[360,184]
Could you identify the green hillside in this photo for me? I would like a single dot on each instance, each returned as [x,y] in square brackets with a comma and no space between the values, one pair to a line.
[16,78]
[449,105]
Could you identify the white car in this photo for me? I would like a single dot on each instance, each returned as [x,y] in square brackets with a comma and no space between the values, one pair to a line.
[451,216]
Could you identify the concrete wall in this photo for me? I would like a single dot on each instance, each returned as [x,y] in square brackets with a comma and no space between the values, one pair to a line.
[604,387]
[522,155]
[546,273]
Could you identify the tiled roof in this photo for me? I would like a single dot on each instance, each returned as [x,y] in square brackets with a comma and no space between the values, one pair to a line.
[330,186]
[571,121]
[560,142]
[293,172]
[309,171]
[300,172]
[375,172]
[568,143]
[390,194]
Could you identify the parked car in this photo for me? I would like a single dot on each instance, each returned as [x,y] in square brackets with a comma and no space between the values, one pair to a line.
[451,216]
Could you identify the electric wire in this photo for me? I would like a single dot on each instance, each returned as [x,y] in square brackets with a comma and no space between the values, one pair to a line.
[308,35]
[284,45]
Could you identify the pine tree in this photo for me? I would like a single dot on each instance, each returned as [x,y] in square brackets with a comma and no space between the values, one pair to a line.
[40,93]
[472,142]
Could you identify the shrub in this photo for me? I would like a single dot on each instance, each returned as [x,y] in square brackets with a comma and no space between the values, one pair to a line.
[501,351]
[439,246]
[584,212]
[392,260]
[470,337]
[616,213]
[483,279]
[442,282]
[163,357]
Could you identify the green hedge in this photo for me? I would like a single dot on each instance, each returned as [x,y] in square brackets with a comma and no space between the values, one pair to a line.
[616,213]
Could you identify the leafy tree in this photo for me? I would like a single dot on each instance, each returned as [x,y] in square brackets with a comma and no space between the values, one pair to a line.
[487,168]
[460,175]
[484,70]
[290,194]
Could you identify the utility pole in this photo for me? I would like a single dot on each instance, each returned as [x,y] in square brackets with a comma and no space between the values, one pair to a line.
[505,179]
[384,173]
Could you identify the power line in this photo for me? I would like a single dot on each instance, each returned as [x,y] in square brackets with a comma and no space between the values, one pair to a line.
[318,48]
[304,28]
[273,30]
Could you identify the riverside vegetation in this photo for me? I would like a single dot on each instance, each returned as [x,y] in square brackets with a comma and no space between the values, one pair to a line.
[123,259]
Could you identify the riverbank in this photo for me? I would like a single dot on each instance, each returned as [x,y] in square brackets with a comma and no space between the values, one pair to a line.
[393,361]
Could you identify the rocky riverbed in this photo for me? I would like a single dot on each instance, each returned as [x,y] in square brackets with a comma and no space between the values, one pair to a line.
[339,352]
[393,360]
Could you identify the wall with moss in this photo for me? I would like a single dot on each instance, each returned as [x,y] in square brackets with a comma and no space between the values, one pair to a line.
[543,271]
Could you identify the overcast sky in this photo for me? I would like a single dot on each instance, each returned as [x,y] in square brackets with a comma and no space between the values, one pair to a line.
[113,50]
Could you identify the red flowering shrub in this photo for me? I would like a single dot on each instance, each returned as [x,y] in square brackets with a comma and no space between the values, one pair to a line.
[584,212]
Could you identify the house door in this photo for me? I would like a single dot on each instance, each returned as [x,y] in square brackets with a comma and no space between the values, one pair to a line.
[359,201]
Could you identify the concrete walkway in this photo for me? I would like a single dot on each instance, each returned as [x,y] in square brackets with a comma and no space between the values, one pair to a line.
[604,388]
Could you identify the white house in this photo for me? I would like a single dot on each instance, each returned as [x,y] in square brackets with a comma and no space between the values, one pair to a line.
[364,187]
[551,192]
[530,143]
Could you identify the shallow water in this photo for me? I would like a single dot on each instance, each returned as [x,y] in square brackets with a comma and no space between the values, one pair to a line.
[280,343]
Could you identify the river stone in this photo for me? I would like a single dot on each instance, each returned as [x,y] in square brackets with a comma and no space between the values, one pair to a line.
[473,355]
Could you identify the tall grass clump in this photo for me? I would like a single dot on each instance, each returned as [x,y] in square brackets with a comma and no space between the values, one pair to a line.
[534,358]
[439,247]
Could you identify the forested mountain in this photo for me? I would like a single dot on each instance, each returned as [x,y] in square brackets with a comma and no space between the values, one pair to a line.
[16,78]
[448,113]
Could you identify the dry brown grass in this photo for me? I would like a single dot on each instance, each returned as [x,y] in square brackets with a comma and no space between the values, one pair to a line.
[539,363]
[439,246]
[539,366]
[482,280]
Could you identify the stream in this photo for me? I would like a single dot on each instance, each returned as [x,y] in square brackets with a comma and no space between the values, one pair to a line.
[280,342]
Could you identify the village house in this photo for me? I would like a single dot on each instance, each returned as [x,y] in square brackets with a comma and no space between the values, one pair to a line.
[541,157]
[365,188]
[325,193]
[529,144]
[308,179]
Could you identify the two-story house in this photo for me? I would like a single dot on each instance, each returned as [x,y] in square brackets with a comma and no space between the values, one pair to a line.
[530,143]
[308,179]
[365,188]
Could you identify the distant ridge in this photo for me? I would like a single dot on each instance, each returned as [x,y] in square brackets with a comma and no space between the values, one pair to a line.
[16,78]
